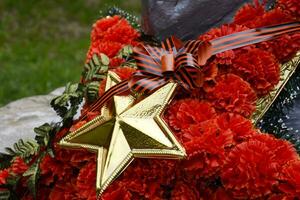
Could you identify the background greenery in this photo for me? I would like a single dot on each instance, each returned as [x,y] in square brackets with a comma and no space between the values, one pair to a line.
[43,42]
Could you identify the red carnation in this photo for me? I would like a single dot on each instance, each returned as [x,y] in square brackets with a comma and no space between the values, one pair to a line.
[249,12]
[290,178]
[64,191]
[273,17]
[4,174]
[233,94]
[184,191]
[291,6]
[109,35]
[86,181]
[284,48]
[19,166]
[124,72]
[252,168]
[117,192]
[122,32]
[101,26]
[226,29]
[183,113]
[108,48]
[116,62]
[260,68]
[206,152]
[240,127]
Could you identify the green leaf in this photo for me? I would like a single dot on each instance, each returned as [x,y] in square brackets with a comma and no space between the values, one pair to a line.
[126,51]
[96,69]
[4,194]
[23,149]
[104,59]
[92,90]
[66,105]
[43,134]
[33,174]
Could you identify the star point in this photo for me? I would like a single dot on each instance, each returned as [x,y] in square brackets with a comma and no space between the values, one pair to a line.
[126,130]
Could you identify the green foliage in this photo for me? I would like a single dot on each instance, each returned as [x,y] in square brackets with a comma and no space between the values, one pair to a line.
[96,68]
[95,71]
[4,194]
[33,174]
[67,104]
[43,134]
[92,90]
[24,149]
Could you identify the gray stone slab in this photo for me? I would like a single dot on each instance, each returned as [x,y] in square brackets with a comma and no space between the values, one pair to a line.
[18,118]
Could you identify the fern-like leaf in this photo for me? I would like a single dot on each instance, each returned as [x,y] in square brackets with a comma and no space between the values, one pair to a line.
[33,174]
[4,194]
[23,149]
[66,105]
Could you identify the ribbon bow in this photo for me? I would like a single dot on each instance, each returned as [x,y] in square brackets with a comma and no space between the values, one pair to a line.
[173,61]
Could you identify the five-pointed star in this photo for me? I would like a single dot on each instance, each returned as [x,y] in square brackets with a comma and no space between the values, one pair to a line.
[126,130]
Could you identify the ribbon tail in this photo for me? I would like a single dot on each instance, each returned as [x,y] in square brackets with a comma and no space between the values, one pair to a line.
[252,36]
[101,101]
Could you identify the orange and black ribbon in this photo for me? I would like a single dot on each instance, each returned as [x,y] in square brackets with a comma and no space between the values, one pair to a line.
[160,65]
[178,62]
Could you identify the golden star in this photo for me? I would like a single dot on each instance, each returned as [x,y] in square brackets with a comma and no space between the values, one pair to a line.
[126,130]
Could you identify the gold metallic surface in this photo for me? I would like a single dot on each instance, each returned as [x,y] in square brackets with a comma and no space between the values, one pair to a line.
[125,130]
[264,103]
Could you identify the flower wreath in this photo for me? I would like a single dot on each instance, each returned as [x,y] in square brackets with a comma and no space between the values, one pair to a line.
[227,157]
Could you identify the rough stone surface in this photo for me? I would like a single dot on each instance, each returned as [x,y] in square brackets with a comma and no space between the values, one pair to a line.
[18,118]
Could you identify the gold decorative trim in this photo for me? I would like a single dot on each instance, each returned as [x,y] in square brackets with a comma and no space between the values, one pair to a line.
[264,103]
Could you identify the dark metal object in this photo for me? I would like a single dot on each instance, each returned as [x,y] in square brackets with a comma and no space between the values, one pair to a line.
[186,18]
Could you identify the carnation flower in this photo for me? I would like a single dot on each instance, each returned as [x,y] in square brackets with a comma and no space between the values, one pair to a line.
[116,62]
[184,191]
[246,15]
[252,167]
[206,152]
[291,6]
[4,174]
[117,192]
[65,191]
[273,17]
[233,94]
[101,26]
[19,166]
[108,48]
[260,68]
[122,32]
[124,72]
[290,178]
[216,194]
[224,30]
[284,48]
[240,127]
[57,168]
[186,112]
[86,181]
[109,35]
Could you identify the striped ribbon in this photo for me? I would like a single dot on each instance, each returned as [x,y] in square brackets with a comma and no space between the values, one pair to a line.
[178,62]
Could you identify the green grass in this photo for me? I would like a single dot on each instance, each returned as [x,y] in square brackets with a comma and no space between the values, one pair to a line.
[43,43]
